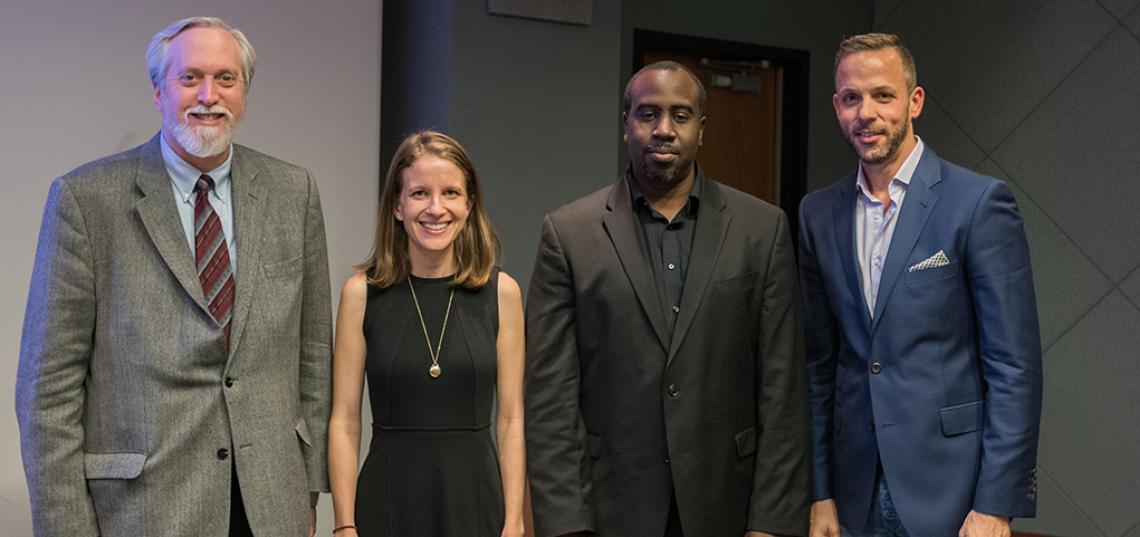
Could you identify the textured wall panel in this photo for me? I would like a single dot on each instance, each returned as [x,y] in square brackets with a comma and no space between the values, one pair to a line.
[943,135]
[1092,407]
[1077,157]
[1056,514]
[1131,288]
[1119,8]
[991,62]
[1068,285]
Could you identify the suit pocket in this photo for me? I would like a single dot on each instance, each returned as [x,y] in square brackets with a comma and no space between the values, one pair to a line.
[281,269]
[303,431]
[113,465]
[735,284]
[925,276]
[964,418]
[746,442]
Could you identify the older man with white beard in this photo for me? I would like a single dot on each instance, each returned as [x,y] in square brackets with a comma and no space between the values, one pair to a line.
[174,370]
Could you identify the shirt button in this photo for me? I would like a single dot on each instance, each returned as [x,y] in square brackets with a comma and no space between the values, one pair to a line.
[673,390]
[676,309]
[223,453]
[876,368]
[670,266]
[229,382]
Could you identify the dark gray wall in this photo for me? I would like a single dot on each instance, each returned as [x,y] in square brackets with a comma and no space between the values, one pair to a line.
[1043,94]
[537,103]
[533,102]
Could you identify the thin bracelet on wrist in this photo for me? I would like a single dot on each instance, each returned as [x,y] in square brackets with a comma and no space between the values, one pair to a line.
[344,527]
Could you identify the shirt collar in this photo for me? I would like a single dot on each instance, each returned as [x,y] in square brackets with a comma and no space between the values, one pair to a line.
[902,177]
[639,200]
[185,176]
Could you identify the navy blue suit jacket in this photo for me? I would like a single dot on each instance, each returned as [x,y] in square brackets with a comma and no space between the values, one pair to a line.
[943,382]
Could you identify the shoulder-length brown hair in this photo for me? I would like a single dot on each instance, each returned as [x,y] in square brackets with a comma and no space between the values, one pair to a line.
[476,248]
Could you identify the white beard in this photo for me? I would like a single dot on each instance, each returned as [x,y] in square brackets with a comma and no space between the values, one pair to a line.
[204,141]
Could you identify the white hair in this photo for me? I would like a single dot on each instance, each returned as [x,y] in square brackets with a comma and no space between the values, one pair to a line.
[158,53]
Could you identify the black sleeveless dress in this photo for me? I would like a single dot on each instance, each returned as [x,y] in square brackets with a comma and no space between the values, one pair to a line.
[432,468]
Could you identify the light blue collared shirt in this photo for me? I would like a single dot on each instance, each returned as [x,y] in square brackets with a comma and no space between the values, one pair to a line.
[183,177]
[874,228]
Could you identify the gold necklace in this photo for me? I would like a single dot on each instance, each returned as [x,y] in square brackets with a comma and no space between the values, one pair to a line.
[434,370]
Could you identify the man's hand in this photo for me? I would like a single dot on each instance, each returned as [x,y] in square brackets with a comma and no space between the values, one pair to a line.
[312,521]
[983,525]
[824,519]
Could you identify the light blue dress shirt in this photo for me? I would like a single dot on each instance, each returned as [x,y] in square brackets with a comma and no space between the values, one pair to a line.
[874,227]
[183,177]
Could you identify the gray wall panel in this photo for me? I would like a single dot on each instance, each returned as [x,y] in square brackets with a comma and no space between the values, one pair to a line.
[1073,158]
[1004,59]
[1092,407]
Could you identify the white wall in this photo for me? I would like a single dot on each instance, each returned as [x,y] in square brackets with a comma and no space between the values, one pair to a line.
[73,87]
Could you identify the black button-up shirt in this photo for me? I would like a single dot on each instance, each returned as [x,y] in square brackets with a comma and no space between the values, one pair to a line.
[666,245]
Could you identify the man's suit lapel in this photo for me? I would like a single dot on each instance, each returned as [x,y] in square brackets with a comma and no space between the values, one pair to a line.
[712,226]
[160,219]
[620,223]
[843,218]
[919,203]
[248,187]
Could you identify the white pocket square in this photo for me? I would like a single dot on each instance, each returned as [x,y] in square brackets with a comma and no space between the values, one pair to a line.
[937,260]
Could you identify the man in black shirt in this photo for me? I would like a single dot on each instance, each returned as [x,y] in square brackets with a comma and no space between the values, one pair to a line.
[665,377]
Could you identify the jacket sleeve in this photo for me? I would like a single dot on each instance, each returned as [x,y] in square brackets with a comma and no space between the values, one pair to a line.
[316,344]
[55,353]
[557,460]
[1009,345]
[821,348]
[779,502]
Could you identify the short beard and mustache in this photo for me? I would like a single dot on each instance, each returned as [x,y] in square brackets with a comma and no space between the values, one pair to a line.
[666,174]
[894,142]
[203,141]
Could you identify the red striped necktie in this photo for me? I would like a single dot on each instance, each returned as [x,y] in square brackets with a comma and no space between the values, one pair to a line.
[212,256]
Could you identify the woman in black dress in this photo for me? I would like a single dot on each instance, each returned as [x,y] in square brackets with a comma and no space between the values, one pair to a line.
[437,330]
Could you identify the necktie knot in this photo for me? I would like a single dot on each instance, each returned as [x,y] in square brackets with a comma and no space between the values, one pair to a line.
[205,184]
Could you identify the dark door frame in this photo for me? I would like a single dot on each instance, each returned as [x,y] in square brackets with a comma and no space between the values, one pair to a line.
[794,127]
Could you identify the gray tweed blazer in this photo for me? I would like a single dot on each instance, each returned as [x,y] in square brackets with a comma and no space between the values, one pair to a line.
[133,413]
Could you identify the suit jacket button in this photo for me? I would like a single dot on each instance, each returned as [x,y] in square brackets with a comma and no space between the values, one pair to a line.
[223,453]
[666,460]
[229,382]
[876,367]
[673,390]
[871,427]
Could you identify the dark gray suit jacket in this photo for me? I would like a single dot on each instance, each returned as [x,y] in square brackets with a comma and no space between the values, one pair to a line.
[617,420]
[126,392]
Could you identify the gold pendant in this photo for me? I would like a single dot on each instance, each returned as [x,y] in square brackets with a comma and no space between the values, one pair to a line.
[435,371]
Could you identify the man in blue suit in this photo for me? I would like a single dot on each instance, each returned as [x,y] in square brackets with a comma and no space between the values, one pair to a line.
[923,351]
